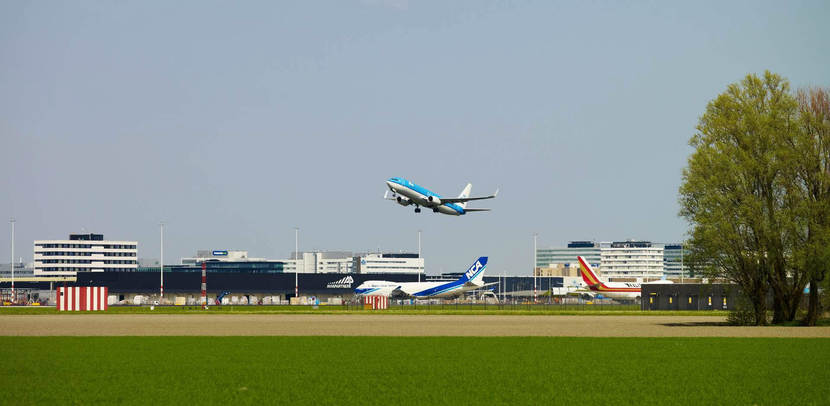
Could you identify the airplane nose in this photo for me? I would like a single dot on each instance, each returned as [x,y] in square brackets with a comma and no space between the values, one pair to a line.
[389,184]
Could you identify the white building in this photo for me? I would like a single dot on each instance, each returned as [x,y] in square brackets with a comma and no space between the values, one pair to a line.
[321,262]
[84,252]
[347,262]
[631,259]
[389,263]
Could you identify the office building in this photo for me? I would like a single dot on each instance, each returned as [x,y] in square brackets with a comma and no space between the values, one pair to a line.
[561,261]
[631,259]
[389,263]
[674,265]
[83,252]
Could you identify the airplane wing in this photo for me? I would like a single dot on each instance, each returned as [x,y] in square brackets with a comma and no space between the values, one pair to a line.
[406,291]
[399,292]
[582,292]
[467,199]
[386,195]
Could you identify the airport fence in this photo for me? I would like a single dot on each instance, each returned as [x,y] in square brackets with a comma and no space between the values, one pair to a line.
[408,305]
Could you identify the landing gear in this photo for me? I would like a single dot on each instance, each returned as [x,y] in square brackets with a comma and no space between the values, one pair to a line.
[417,209]
[435,210]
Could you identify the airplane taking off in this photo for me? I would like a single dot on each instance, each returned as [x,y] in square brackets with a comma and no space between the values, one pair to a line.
[406,193]
[614,290]
[471,280]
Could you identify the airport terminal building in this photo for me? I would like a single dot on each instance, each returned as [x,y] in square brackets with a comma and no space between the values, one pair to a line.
[311,262]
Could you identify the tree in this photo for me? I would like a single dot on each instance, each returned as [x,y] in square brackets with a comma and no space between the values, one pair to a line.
[734,196]
[809,191]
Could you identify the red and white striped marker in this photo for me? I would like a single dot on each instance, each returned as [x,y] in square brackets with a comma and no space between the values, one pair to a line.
[82,298]
[377,302]
[204,286]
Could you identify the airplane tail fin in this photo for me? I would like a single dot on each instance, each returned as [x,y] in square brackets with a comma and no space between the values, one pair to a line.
[464,194]
[588,274]
[475,273]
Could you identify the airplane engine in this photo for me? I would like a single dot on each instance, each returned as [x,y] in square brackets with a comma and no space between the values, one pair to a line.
[434,200]
[403,201]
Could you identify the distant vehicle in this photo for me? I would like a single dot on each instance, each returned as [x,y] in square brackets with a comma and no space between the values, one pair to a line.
[407,193]
[613,290]
[473,279]
[221,296]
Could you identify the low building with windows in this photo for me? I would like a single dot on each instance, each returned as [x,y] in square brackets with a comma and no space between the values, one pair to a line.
[83,253]
[315,262]
[21,270]
[219,255]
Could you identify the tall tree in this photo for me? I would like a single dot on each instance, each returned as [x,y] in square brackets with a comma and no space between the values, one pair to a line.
[732,193]
[809,191]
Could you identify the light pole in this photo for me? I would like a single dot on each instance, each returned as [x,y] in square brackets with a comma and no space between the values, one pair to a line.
[419,253]
[534,266]
[296,262]
[682,271]
[161,262]
[11,263]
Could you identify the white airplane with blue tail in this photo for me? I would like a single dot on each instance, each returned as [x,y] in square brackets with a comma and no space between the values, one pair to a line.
[473,279]
[405,193]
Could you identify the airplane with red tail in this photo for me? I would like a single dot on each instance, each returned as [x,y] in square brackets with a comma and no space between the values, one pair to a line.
[613,290]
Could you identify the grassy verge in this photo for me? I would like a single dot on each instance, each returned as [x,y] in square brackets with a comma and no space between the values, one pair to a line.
[419,310]
[410,370]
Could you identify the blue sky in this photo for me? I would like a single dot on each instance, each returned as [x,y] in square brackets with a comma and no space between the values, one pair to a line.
[234,122]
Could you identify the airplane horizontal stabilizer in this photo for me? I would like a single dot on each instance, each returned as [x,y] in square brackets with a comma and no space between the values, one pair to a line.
[467,199]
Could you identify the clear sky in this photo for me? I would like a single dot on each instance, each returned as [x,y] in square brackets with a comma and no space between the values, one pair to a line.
[234,122]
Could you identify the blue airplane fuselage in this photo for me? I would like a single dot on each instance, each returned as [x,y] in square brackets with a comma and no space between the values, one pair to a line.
[411,193]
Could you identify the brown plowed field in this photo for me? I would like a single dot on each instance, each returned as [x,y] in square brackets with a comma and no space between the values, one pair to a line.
[386,325]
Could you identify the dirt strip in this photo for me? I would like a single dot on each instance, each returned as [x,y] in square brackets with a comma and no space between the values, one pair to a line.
[386,325]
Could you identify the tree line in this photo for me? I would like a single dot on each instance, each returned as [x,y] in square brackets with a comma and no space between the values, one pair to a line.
[756,193]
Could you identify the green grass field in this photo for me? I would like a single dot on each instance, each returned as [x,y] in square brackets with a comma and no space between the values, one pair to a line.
[594,310]
[410,370]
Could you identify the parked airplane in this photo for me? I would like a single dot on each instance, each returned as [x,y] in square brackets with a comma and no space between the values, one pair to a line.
[613,290]
[471,280]
[406,193]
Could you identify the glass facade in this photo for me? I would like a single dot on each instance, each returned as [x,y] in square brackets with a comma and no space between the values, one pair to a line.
[566,256]
[673,264]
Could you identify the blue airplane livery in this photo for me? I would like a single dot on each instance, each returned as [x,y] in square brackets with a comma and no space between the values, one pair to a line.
[407,193]
[472,279]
